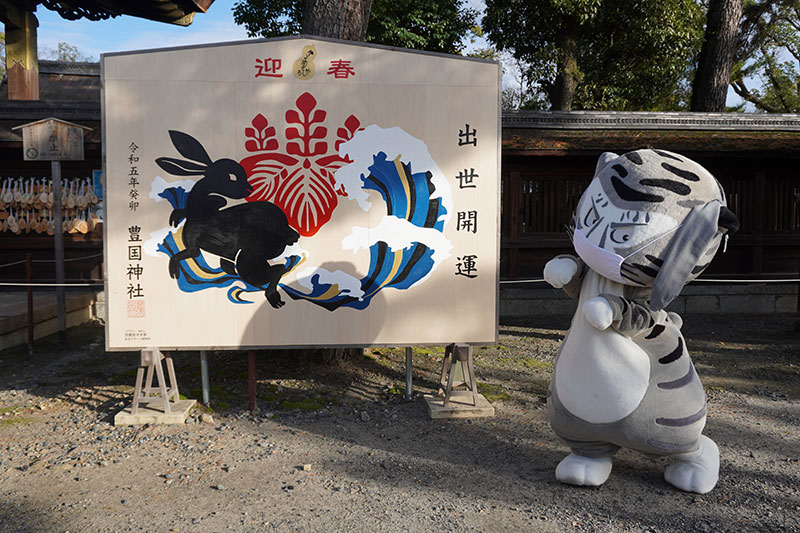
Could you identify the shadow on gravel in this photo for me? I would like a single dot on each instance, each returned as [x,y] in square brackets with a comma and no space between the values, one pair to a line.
[532,334]
[80,374]
[20,517]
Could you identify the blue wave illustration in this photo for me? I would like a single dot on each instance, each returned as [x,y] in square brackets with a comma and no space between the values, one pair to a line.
[408,196]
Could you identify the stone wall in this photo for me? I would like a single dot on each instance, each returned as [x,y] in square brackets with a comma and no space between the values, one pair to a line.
[532,299]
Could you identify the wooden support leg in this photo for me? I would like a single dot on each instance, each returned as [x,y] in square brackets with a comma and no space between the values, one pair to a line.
[173,383]
[449,389]
[162,386]
[163,404]
[148,382]
[448,353]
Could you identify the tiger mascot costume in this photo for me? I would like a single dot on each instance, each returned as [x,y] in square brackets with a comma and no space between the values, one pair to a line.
[649,222]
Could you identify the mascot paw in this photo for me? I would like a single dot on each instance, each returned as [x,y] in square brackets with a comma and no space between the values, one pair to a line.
[583,471]
[697,472]
[676,319]
[598,312]
[560,271]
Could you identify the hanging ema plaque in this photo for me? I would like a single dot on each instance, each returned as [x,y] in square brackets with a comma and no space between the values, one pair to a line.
[300,192]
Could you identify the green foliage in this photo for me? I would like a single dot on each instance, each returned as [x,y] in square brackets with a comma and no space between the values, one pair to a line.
[270,18]
[64,52]
[631,55]
[2,54]
[437,26]
[769,53]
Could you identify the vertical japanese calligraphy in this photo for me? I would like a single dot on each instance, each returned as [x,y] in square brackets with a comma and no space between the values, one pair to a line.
[467,220]
[134,270]
[467,136]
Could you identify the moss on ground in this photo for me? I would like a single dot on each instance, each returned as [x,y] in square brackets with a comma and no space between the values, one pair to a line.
[15,420]
[306,404]
[493,392]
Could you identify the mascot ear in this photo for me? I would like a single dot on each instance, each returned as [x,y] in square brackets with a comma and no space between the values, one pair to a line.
[689,243]
[728,221]
[605,159]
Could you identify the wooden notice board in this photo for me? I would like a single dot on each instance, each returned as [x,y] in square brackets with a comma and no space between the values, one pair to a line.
[300,192]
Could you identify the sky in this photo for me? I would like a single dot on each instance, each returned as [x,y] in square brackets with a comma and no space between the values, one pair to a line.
[126,33]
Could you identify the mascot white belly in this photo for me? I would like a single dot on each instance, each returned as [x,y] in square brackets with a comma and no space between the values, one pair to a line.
[601,376]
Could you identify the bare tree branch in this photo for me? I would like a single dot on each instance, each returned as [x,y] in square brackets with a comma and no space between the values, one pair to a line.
[741,89]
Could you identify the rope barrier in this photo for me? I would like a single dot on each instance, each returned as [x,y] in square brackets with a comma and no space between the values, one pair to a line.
[709,280]
[90,284]
[52,260]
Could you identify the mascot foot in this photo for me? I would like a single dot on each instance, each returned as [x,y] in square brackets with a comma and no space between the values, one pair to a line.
[696,472]
[583,471]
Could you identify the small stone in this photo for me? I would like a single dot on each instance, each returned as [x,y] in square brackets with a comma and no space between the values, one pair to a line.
[306,468]
[124,502]
[365,416]
[218,487]
[206,418]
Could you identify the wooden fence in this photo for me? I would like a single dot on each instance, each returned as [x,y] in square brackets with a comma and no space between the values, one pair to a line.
[540,193]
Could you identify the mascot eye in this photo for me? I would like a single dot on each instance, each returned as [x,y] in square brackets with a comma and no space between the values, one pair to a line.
[232,177]
[621,235]
[591,218]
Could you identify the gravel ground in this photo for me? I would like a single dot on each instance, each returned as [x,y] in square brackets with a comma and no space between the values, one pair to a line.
[338,449]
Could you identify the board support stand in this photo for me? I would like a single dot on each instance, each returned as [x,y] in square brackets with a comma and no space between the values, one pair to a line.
[159,404]
[251,380]
[458,395]
[409,376]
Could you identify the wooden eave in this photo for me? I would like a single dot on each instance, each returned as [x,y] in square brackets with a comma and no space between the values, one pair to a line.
[574,133]
[16,112]
[180,12]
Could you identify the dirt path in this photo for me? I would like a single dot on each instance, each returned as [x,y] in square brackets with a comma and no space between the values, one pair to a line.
[337,449]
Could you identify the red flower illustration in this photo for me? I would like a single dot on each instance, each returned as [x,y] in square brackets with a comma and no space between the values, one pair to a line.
[300,179]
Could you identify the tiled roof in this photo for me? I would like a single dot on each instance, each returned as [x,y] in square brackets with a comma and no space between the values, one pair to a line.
[64,81]
[622,120]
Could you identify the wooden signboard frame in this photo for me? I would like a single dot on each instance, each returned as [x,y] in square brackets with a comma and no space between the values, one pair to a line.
[430,122]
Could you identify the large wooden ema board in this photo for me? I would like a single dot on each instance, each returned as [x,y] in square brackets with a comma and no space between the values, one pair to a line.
[300,192]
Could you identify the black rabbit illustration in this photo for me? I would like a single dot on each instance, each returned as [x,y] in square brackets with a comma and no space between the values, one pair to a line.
[245,236]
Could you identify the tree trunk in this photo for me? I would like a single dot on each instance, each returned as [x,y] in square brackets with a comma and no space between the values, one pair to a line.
[338,19]
[567,75]
[717,55]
